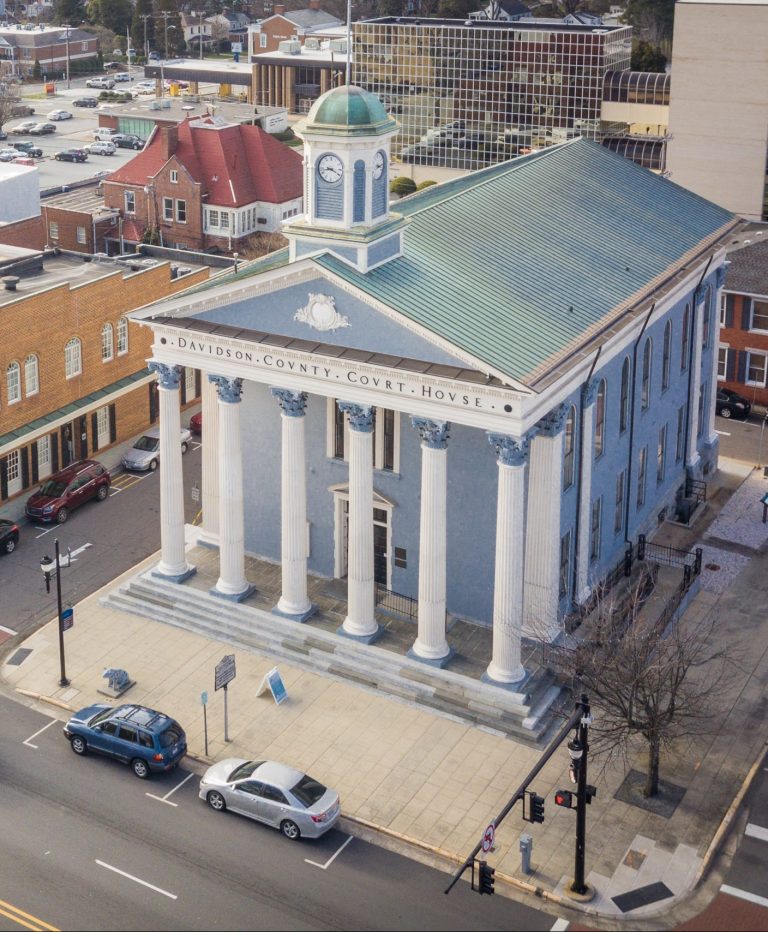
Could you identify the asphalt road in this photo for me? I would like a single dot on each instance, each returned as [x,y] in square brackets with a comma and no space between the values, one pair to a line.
[86,847]
[746,441]
[116,535]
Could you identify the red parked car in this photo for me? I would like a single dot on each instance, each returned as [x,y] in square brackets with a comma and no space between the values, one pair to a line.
[67,489]
[9,535]
[196,423]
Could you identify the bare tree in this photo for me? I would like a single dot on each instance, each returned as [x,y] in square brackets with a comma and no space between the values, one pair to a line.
[648,675]
[7,104]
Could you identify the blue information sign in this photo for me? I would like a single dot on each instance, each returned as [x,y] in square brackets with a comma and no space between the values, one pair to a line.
[277,686]
[204,697]
[67,619]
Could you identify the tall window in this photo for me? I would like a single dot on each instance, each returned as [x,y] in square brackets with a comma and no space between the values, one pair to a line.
[122,336]
[338,432]
[129,198]
[705,321]
[600,420]
[53,230]
[724,310]
[168,208]
[81,235]
[565,563]
[618,515]
[642,458]
[13,382]
[722,363]
[667,355]
[756,369]
[43,456]
[73,362]
[700,415]
[569,451]
[31,376]
[107,345]
[181,211]
[684,338]
[645,390]
[594,539]
[661,453]
[680,443]
[624,402]
[759,315]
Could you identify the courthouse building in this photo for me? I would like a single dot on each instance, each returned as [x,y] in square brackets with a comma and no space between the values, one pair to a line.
[474,400]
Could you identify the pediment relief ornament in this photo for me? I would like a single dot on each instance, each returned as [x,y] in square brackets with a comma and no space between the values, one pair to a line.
[321,314]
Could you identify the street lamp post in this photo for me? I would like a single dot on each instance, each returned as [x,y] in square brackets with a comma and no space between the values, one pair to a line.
[50,568]
[201,15]
[66,36]
[145,17]
[578,748]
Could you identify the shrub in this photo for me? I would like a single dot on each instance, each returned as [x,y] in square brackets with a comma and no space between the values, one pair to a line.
[402,186]
[425,184]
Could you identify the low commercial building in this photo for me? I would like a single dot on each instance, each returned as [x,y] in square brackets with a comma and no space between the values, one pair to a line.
[50,48]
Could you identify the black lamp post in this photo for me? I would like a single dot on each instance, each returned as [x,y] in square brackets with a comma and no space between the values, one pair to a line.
[577,748]
[53,568]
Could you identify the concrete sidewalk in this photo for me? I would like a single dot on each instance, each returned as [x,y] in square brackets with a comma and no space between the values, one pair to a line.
[416,775]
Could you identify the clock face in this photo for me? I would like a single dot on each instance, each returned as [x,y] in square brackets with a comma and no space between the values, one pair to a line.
[330,168]
[378,165]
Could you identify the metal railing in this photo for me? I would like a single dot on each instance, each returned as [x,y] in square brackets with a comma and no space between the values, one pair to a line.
[395,603]
[689,560]
[696,489]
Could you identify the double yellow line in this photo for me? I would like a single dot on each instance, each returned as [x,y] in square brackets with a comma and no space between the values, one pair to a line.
[24,919]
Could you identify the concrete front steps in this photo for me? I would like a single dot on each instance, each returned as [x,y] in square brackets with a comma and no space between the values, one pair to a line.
[525,716]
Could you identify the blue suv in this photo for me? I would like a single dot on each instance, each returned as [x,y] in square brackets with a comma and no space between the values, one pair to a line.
[147,740]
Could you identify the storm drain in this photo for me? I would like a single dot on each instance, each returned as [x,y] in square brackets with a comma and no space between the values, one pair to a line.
[20,656]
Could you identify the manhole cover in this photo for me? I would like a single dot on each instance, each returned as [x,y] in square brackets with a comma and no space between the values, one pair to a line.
[712,566]
[20,656]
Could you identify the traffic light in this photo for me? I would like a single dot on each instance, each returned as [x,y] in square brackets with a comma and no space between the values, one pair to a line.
[485,884]
[564,798]
[536,808]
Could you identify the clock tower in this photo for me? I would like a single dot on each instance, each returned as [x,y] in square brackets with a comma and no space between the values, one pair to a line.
[347,139]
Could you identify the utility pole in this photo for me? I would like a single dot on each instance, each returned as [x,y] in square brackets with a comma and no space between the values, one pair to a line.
[66,34]
[145,17]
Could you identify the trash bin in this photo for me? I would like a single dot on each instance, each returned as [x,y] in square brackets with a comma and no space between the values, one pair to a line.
[50,88]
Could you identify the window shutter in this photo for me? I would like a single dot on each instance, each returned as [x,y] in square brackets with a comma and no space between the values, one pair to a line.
[24,457]
[741,368]
[746,313]
[82,426]
[33,454]
[55,452]
[4,478]
[198,385]
[95,431]
[152,402]
[183,399]
[729,310]
[112,424]
[730,365]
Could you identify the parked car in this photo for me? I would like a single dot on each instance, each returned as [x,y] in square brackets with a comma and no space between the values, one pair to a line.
[113,66]
[99,148]
[28,148]
[127,141]
[144,87]
[9,535]
[105,133]
[149,741]
[3,135]
[71,155]
[104,83]
[196,423]
[42,129]
[59,115]
[68,489]
[21,129]
[145,452]
[85,102]
[123,76]
[732,404]
[154,56]
[8,155]
[21,110]
[272,793]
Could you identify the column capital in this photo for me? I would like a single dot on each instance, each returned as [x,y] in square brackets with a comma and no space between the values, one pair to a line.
[167,376]
[589,392]
[229,390]
[293,403]
[720,277]
[510,452]
[434,434]
[361,417]
[552,423]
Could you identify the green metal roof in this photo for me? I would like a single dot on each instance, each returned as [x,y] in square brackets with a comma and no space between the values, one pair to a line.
[515,263]
[349,111]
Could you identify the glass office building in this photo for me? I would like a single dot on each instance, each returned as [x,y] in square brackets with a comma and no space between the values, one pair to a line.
[467,94]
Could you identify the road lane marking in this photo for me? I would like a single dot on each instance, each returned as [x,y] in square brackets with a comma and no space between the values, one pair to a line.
[44,530]
[744,895]
[723,433]
[144,883]
[756,831]
[28,741]
[15,912]
[8,630]
[74,553]
[331,859]
[560,925]
[164,799]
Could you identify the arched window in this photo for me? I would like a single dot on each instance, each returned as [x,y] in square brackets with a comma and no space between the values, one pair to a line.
[684,338]
[107,346]
[358,192]
[706,319]
[600,420]
[645,389]
[73,360]
[122,336]
[569,457]
[667,354]
[13,382]
[380,185]
[31,375]
[624,402]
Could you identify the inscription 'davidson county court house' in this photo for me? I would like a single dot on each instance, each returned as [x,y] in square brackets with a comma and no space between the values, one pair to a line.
[339,373]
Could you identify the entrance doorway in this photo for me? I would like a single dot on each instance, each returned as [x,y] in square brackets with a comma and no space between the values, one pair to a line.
[381,526]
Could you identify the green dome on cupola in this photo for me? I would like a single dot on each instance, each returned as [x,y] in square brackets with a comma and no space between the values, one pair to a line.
[349,111]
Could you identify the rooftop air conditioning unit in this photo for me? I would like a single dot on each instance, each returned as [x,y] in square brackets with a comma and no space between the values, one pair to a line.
[312,43]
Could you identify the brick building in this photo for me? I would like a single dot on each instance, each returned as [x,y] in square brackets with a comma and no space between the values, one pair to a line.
[73,374]
[282,26]
[23,46]
[743,351]
[78,221]
[205,184]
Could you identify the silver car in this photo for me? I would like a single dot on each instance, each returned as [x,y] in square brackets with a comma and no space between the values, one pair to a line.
[145,453]
[273,793]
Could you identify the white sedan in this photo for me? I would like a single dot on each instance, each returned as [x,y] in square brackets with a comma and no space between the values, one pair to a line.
[59,115]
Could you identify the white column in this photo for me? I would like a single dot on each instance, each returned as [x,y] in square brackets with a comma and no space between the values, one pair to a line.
[505,667]
[231,583]
[712,436]
[173,561]
[586,455]
[542,547]
[293,602]
[360,622]
[430,644]
[209,532]
[692,457]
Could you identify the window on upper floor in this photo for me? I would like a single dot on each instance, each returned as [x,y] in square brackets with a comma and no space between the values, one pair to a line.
[722,363]
[13,382]
[53,230]
[618,513]
[224,222]
[667,356]
[81,236]
[756,369]
[759,315]
[73,360]
[680,441]
[642,459]
[706,319]
[262,40]
[174,175]
[31,375]
[594,537]
[168,209]
[386,437]
[723,310]
[129,200]
[569,448]
[645,386]
[661,454]
[624,399]
[122,336]
[181,211]
[213,219]
[600,420]
[684,338]
[107,344]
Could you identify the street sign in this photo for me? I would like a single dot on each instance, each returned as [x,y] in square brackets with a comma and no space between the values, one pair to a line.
[67,619]
[225,671]
[274,682]
[488,836]
[195,492]
[204,697]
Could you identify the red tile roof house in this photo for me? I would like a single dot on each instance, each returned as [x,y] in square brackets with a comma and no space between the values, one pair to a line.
[205,185]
